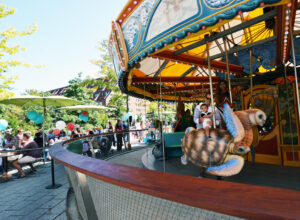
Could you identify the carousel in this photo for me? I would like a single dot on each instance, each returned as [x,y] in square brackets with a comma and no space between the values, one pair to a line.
[181,50]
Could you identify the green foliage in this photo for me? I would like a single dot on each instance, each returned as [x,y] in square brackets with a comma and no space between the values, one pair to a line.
[109,81]
[77,90]
[6,49]
[167,111]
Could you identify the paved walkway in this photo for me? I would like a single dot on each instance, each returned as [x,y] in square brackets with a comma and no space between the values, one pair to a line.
[27,198]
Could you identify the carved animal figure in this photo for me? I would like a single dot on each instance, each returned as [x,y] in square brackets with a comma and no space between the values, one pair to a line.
[220,153]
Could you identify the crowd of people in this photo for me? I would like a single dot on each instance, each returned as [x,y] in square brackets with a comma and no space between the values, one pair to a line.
[202,118]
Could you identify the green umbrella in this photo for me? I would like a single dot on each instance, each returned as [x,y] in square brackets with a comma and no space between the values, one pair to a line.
[85,107]
[56,101]
[27,100]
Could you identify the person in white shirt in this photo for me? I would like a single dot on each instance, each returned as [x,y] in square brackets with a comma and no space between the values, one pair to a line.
[197,113]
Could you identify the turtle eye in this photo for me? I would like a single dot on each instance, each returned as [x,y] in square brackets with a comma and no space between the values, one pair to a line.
[260,116]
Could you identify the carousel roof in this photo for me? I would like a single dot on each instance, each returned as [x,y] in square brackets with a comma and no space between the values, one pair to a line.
[160,48]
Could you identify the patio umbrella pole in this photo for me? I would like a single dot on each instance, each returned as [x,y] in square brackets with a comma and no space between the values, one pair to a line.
[43,127]
[53,186]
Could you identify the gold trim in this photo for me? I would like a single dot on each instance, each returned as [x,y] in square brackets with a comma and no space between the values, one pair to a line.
[122,49]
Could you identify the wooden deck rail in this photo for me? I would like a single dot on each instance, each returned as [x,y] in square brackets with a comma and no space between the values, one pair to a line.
[241,200]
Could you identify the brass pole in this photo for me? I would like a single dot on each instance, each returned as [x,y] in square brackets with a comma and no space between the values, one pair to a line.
[228,72]
[210,86]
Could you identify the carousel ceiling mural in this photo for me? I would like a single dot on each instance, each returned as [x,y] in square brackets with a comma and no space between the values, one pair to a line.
[160,47]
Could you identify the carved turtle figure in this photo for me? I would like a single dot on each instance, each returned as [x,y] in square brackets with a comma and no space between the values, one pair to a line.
[220,152]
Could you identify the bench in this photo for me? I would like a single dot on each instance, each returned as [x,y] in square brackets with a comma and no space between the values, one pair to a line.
[173,144]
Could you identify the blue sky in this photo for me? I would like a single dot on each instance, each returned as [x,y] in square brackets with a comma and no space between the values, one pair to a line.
[66,39]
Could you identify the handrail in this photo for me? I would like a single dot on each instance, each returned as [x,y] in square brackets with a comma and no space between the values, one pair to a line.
[241,200]
[101,134]
[22,150]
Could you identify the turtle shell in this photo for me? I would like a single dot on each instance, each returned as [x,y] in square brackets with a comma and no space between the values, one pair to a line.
[203,151]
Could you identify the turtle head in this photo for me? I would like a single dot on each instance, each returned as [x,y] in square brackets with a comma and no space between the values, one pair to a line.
[235,149]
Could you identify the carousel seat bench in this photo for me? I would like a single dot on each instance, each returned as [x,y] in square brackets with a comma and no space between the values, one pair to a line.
[173,144]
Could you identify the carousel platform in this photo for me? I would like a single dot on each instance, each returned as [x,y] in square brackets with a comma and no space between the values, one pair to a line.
[258,174]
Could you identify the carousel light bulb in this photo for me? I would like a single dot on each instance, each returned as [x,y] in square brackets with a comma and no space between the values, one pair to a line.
[165,44]
[286,28]
[287,23]
[176,39]
[124,15]
[285,41]
[135,2]
[120,20]
[129,9]
[156,49]
[289,4]
[262,4]
[188,33]
[286,33]
[240,12]
[203,27]
[220,20]
[287,18]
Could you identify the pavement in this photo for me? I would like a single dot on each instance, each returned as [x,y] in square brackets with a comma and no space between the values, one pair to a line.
[27,198]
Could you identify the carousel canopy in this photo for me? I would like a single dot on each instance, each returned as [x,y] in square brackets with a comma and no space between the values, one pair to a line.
[165,49]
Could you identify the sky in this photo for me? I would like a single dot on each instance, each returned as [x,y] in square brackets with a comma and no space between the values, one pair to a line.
[65,42]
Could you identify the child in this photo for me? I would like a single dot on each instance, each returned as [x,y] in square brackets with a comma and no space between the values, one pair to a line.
[206,124]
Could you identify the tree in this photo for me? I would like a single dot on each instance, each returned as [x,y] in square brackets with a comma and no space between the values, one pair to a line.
[7,50]
[109,81]
[77,90]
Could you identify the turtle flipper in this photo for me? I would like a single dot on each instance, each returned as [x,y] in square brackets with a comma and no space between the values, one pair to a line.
[232,166]
[233,124]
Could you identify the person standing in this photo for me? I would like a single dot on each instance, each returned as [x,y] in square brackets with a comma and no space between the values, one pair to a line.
[119,128]
[109,129]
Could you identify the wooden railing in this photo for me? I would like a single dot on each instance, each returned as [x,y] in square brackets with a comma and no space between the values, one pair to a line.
[235,199]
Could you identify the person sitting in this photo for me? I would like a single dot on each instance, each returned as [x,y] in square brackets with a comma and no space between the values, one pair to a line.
[206,122]
[11,142]
[187,120]
[38,138]
[197,113]
[62,135]
[29,156]
[50,135]
[178,117]
[19,137]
